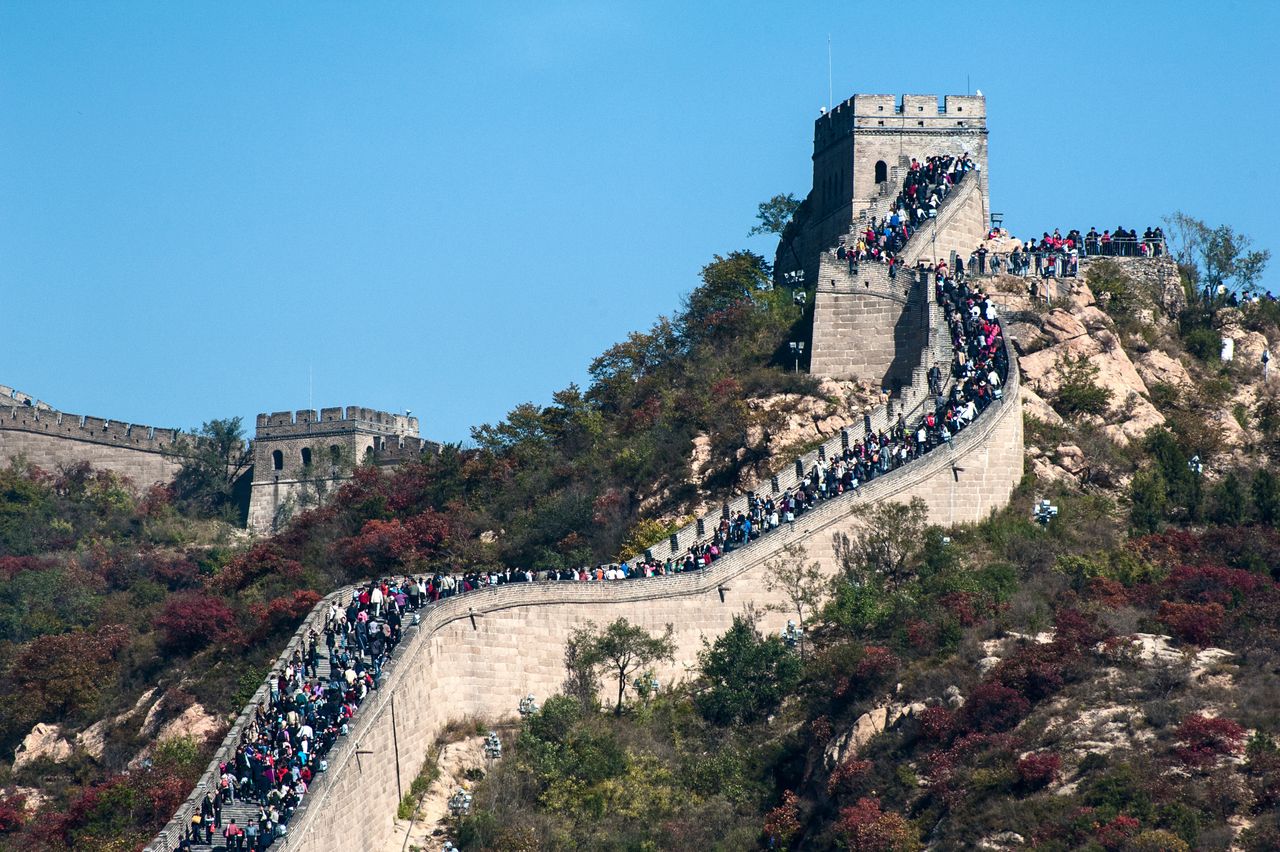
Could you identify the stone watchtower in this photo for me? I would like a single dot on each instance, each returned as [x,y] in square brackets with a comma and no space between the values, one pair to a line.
[862,150]
[299,457]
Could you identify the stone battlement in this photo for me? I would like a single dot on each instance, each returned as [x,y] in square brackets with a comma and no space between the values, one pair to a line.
[284,424]
[9,396]
[865,111]
[94,430]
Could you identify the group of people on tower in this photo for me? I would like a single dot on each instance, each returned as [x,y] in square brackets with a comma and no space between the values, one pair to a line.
[925,188]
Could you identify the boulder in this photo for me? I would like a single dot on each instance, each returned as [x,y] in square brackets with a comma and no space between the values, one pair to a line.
[195,722]
[1155,367]
[45,742]
[1034,405]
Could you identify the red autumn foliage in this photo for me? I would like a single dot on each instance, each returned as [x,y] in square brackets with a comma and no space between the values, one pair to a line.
[13,812]
[864,826]
[12,566]
[1212,584]
[876,662]
[995,707]
[1204,740]
[937,724]
[285,613]
[1038,769]
[962,606]
[261,560]
[1199,624]
[922,635]
[1110,593]
[1113,835]
[821,729]
[783,822]
[844,774]
[1075,630]
[386,546]
[175,572]
[156,499]
[192,621]
[64,674]
[1034,671]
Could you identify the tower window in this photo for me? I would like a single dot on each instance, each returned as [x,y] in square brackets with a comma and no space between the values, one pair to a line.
[921,123]
[306,457]
[882,171]
[335,453]
[277,460]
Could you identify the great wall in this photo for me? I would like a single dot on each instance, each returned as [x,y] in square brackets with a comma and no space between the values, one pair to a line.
[476,655]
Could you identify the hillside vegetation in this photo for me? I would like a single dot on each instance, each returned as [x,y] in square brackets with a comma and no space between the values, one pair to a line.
[1107,681]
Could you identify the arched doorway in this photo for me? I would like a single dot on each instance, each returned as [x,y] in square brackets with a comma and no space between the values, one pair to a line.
[882,171]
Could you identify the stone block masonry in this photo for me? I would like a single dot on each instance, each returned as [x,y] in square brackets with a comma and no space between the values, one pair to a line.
[478,654]
[52,439]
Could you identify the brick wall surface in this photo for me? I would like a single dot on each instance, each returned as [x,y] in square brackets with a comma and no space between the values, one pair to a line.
[477,655]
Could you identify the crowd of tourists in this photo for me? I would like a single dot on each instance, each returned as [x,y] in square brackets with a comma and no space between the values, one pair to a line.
[286,743]
[978,370]
[1055,255]
[926,186]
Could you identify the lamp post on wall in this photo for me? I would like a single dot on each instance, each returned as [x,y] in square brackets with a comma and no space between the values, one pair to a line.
[797,349]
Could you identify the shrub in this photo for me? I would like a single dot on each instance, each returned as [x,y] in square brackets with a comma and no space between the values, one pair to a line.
[864,826]
[845,773]
[782,823]
[1034,672]
[876,663]
[1205,344]
[994,707]
[12,812]
[937,724]
[1038,769]
[285,613]
[1195,623]
[1078,390]
[1204,740]
[191,621]
[1112,835]
[747,675]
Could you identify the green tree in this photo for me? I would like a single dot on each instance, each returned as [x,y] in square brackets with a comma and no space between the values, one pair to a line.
[212,460]
[886,545]
[775,214]
[803,583]
[1078,389]
[622,649]
[747,675]
[581,682]
[1266,496]
[1149,500]
[1229,505]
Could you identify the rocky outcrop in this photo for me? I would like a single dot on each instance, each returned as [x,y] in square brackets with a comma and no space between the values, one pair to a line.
[875,721]
[45,742]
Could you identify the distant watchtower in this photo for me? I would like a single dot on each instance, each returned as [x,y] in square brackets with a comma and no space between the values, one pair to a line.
[862,148]
[298,457]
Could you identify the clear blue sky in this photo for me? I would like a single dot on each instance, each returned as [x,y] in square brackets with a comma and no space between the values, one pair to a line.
[452,207]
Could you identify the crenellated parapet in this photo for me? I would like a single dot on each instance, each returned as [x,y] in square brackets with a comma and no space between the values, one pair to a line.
[299,456]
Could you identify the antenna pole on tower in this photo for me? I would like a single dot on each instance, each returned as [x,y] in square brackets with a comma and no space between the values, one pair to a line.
[830,90]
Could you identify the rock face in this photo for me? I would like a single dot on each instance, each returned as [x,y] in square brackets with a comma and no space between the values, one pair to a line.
[195,722]
[874,721]
[1156,367]
[44,742]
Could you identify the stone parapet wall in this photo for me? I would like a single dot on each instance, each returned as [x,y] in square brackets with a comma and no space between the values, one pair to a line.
[478,654]
[52,439]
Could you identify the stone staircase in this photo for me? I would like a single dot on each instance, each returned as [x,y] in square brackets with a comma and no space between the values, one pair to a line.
[330,804]
[244,811]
